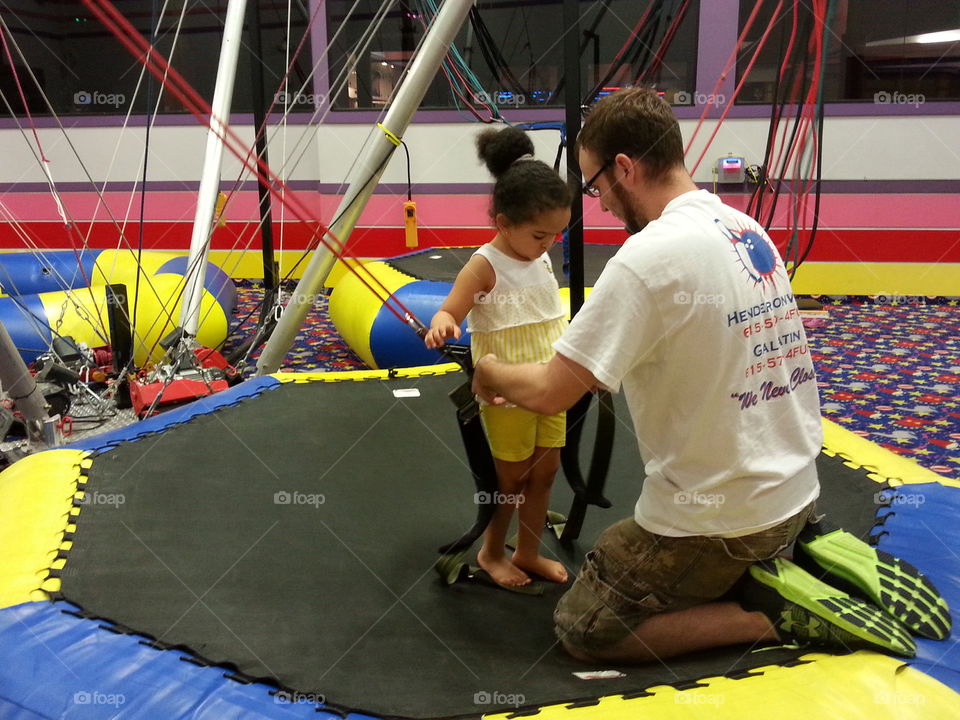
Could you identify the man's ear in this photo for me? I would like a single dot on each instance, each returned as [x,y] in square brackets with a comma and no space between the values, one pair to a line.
[628,167]
[634,170]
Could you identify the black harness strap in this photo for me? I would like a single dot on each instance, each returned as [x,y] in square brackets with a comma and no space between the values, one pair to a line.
[482,467]
[589,492]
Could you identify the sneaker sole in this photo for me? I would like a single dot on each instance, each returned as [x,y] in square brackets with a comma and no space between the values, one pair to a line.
[894,585]
[873,628]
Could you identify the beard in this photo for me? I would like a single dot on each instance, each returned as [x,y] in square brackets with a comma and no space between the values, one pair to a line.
[633,222]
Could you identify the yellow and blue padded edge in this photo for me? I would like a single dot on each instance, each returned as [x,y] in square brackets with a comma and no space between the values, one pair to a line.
[57,662]
[36,508]
[861,686]
[881,464]
[919,524]
[158,423]
[346,375]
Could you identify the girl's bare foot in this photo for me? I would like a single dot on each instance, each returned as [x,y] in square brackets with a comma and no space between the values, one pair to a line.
[502,570]
[539,565]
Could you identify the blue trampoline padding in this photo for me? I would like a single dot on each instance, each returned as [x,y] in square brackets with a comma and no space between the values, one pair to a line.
[40,271]
[215,281]
[393,344]
[30,335]
[56,665]
[921,527]
[238,393]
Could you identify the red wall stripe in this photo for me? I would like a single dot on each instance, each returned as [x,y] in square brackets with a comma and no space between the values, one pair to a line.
[925,246]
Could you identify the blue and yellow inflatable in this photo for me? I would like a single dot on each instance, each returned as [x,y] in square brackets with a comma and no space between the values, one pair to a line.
[62,293]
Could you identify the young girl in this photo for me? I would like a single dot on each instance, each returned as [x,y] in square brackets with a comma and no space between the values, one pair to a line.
[510,292]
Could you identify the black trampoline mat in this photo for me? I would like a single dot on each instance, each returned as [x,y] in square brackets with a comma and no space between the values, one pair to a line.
[222,545]
[443,264]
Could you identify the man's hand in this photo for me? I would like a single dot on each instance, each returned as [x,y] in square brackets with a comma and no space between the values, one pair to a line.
[481,380]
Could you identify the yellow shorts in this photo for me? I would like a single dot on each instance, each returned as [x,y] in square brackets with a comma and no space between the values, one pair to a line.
[513,432]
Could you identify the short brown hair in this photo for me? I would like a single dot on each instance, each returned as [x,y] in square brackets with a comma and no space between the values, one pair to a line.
[637,122]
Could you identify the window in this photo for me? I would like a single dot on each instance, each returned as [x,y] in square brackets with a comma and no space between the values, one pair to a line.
[511,51]
[83,70]
[883,51]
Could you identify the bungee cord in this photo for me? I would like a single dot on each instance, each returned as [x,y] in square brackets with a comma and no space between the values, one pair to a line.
[114,21]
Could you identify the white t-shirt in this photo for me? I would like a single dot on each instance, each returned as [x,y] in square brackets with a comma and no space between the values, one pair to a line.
[695,317]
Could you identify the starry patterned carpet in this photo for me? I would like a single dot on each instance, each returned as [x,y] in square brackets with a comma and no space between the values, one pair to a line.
[887,372]
[891,374]
[317,347]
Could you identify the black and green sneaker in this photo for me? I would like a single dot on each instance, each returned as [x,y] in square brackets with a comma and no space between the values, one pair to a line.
[894,585]
[806,611]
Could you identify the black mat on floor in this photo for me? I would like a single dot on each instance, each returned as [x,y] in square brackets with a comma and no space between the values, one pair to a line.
[443,264]
[294,536]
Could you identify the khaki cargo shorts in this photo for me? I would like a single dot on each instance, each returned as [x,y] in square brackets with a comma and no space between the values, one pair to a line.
[632,574]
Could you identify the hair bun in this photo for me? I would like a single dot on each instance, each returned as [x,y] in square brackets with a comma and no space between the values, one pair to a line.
[499,149]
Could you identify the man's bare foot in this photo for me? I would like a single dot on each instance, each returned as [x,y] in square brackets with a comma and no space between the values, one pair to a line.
[539,565]
[502,570]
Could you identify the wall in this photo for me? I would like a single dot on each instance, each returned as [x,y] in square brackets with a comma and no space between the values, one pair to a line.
[890,207]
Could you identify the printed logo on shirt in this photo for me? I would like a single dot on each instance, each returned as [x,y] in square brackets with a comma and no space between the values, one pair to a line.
[754,251]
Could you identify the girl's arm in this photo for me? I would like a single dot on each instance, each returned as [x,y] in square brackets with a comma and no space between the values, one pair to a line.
[475,279]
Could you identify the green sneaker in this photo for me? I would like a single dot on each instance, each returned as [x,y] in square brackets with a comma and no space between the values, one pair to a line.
[802,609]
[894,585]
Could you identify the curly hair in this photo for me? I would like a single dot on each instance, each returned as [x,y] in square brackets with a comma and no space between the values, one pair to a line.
[523,189]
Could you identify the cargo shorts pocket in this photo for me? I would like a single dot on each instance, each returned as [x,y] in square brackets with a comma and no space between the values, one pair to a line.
[594,615]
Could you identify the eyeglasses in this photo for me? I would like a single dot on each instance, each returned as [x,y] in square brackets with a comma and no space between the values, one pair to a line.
[591,190]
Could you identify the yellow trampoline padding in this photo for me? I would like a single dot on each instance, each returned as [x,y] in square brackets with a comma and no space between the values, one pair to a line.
[861,686]
[36,506]
[413,372]
[353,307]
[881,464]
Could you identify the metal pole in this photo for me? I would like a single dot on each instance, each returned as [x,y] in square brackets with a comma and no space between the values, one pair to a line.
[19,384]
[365,176]
[210,180]
[571,76]
[271,280]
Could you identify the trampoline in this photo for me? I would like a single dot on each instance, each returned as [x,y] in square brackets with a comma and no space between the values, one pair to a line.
[269,552]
